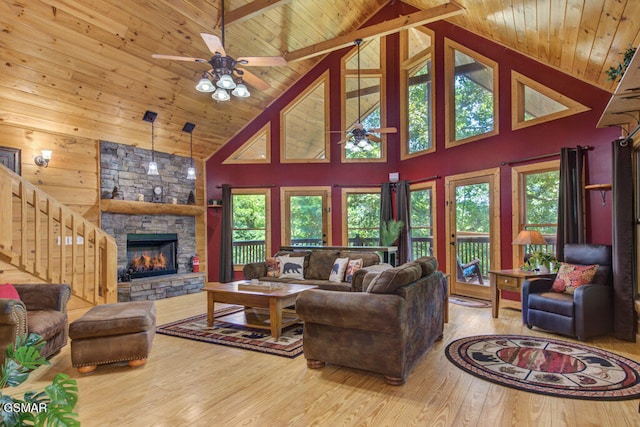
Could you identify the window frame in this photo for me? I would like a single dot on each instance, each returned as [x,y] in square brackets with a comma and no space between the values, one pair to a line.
[518,208]
[428,185]
[249,192]
[450,119]
[406,64]
[379,73]
[323,79]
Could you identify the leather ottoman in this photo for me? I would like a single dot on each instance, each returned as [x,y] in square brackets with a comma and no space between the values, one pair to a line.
[113,333]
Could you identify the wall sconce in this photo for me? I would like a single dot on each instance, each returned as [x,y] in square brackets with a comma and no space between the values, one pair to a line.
[43,158]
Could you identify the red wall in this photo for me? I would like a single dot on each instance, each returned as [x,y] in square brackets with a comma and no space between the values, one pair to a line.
[579,129]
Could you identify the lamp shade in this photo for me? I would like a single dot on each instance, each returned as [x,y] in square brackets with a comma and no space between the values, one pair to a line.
[241,91]
[191,173]
[221,95]
[529,237]
[205,85]
[226,82]
[153,168]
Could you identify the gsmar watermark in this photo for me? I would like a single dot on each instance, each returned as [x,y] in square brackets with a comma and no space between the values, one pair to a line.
[24,407]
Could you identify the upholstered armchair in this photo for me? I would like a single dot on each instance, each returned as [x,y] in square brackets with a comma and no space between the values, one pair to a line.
[385,328]
[41,309]
[585,313]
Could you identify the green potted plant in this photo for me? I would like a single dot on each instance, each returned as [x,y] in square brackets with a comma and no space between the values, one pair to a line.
[390,231]
[541,261]
[52,406]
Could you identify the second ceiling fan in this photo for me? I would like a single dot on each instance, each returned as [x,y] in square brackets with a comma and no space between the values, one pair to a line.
[225,73]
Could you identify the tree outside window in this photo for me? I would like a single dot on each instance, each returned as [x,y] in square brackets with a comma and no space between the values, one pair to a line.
[363,218]
[249,228]
[421,222]
[541,207]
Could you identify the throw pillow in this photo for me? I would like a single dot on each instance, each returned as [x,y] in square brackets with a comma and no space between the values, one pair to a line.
[291,267]
[9,292]
[337,272]
[572,276]
[273,266]
[353,266]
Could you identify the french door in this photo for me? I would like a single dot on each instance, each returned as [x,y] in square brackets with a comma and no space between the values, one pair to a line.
[306,219]
[473,228]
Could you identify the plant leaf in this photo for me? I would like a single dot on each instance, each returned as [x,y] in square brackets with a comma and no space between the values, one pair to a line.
[63,390]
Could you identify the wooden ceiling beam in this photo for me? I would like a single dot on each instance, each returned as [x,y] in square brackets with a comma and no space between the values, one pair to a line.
[251,10]
[437,13]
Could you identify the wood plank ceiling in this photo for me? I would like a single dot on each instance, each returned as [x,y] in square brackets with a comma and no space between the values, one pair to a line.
[84,68]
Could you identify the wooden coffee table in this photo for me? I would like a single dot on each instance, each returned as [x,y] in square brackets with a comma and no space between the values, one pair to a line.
[275,300]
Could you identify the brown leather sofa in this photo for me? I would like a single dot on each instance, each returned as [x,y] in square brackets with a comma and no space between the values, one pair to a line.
[386,328]
[42,309]
[317,268]
[586,313]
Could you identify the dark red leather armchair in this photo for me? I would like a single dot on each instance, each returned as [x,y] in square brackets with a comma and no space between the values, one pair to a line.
[586,313]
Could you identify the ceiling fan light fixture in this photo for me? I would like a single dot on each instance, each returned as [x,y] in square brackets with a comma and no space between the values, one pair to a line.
[205,85]
[221,95]
[226,82]
[241,91]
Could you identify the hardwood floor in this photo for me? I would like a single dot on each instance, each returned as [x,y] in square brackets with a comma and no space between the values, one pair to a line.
[197,384]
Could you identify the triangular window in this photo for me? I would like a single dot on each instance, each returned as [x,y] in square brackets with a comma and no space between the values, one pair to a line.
[535,103]
[257,149]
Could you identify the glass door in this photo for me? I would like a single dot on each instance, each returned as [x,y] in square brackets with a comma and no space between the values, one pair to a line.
[473,229]
[306,219]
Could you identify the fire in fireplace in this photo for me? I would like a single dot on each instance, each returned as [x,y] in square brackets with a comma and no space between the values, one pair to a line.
[152,254]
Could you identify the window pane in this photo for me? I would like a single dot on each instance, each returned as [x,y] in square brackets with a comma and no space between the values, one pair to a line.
[538,105]
[249,228]
[420,108]
[368,106]
[541,204]
[421,223]
[363,218]
[304,127]
[473,87]
[306,220]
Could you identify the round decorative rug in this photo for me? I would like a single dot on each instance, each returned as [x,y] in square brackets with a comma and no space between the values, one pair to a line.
[469,302]
[547,366]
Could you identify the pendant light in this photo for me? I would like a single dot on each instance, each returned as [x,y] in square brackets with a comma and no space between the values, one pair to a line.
[150,116]
[191,171]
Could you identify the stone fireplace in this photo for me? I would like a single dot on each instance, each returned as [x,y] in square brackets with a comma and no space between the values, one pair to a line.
[154,249]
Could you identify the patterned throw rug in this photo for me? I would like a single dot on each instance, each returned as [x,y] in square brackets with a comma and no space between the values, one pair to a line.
[547,366]
[234,335]
[469,302]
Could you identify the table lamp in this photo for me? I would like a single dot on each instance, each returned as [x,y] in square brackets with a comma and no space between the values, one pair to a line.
[529,237]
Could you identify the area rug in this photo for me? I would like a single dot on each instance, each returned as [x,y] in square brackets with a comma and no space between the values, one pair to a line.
[547,366]
[224,332]
[469,302]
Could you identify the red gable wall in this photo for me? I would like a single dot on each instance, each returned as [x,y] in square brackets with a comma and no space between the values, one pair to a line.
[508,145]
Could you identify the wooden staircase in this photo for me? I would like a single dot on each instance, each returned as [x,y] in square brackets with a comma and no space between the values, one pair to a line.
[44,241]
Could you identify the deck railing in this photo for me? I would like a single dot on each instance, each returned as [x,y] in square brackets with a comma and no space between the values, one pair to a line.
[470,247]
[54,244]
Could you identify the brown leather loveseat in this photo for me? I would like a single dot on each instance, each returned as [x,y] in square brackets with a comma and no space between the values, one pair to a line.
[386,328]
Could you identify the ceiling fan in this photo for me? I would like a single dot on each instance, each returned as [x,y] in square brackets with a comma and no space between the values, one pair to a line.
[358,133]
[225,73]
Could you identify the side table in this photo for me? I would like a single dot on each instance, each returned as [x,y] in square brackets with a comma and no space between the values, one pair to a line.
[510,280]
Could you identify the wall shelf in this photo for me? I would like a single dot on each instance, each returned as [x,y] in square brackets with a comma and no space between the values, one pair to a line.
[132,207]
[603,188]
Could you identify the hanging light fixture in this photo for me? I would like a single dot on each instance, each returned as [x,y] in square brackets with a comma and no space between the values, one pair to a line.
[191,171]
[221,95]
[205,85]
[241,90]
[150,116]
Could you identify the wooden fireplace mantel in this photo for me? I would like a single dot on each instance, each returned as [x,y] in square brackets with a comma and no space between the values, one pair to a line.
[132,207]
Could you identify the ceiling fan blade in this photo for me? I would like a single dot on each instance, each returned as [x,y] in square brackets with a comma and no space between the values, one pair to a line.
[383,130]
[267,61]
[178,58]
[254,80]
[345,139]
[213,43]
[373,138]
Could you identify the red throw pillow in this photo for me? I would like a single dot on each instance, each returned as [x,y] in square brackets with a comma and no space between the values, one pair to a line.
[571,276]
[8,291]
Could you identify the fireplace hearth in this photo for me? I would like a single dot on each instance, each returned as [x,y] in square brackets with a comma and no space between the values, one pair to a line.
[151,255]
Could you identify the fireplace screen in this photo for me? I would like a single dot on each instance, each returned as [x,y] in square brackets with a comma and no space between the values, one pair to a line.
[152,254]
